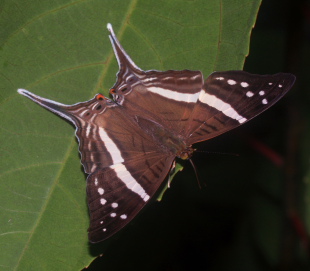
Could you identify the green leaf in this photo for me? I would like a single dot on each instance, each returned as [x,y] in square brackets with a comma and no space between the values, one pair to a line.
[178,168]
[60,50]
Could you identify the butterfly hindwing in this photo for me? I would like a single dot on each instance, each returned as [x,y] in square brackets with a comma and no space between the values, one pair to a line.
[125,162]
[116,194]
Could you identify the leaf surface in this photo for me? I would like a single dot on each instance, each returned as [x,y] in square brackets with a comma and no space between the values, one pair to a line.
[60,50]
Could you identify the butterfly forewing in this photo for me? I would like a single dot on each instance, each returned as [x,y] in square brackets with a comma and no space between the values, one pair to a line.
[229,99]
[167,97]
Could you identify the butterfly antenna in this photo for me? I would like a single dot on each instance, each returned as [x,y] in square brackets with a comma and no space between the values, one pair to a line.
[221,153]
[196,174]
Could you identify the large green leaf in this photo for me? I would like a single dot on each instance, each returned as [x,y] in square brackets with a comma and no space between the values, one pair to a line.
[60,50]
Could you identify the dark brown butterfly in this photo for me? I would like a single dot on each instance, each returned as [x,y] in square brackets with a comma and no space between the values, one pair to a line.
[128,144]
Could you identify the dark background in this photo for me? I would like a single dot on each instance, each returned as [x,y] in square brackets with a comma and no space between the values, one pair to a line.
[250,212]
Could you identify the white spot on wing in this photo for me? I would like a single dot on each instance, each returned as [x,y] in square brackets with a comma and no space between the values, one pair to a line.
[219,78]
[244,84]
[264,101]
[231,82]
[81,115]
[280,86]
[101,222]
[113,214]
[103,201]
[89,145]
[195,76]
[249,94]
[218,104]
[175,95]
[93,167]
[261,93]
[104,229]
[129,77]
[87,130]
[149,79]
[123,216]
[100,191]
[92,157]
[114,205]
[94,106]
[96,181]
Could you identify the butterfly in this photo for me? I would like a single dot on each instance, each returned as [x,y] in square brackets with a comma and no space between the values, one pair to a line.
[129,143]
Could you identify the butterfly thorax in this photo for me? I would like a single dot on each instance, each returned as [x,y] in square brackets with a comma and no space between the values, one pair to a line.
[186,153]
[164,138]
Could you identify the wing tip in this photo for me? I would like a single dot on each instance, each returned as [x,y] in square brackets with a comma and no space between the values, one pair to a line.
[110,28]
[291,77]
[22,91]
